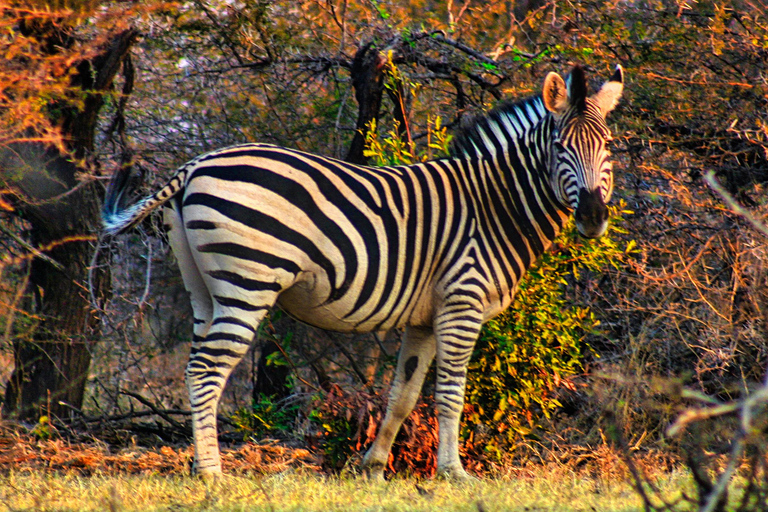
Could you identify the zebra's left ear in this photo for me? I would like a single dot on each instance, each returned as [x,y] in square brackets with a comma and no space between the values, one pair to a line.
[608,95]
[555,93]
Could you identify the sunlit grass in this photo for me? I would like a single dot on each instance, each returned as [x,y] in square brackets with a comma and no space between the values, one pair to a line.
[292,491]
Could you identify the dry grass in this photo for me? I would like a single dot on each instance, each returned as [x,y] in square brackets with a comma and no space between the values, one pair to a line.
[24,454]
[63,475]
[297,491]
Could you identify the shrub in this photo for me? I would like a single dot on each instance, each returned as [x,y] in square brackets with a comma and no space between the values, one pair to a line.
[267,417]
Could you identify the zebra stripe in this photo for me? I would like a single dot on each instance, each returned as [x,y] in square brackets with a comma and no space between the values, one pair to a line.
[436,247]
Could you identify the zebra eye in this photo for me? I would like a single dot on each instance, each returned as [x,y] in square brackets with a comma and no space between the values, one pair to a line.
[559,146]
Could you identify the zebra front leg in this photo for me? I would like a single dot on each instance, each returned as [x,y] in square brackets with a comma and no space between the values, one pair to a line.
[211,361]
[456,332]
[416,354]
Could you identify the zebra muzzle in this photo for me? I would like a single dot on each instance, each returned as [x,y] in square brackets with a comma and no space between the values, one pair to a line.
[591,215]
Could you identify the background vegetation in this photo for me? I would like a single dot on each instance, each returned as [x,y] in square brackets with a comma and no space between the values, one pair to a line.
[667,314]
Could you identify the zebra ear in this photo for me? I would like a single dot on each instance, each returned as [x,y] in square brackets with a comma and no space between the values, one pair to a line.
[577,89]
[555,93]
[608,95]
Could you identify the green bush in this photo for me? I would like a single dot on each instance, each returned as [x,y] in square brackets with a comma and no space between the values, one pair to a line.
[269,414]
[266,417]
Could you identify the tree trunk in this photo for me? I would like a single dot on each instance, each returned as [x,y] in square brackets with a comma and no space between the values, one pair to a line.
[271,380]
[367,73]
[368,69]
[63,212]
[51,368]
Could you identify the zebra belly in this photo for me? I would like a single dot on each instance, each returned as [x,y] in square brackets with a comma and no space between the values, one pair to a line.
[300,303]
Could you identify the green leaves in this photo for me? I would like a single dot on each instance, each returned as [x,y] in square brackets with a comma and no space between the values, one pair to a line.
[266,417]
[393,150]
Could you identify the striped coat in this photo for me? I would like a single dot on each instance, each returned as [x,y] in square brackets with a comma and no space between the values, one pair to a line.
[437,247]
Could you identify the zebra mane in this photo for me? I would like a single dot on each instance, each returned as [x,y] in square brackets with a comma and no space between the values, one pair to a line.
[494,130]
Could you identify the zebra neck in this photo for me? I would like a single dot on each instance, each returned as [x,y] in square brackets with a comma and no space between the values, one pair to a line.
[515,185]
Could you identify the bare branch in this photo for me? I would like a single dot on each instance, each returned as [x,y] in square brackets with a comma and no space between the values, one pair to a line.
[440,37]
[733,205]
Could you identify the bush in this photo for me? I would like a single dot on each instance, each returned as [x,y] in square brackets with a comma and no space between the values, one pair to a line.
[267,417]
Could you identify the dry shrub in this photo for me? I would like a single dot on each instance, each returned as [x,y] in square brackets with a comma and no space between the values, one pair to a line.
[347,423]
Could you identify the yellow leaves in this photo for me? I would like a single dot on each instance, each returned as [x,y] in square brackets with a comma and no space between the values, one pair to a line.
[393,150]
[43,430]
[41,45]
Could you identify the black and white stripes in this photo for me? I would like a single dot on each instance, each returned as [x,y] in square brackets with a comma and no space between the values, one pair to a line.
[437,247]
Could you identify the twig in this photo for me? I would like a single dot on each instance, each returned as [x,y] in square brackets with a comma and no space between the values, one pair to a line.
[440,37]
[34,251]
[91,291]
[381,344]
[148,277]
[637,474]
[353,364]
[157,411]
[745,407]
[153,411]
[709,177]
[135,414]
[292,365]
[717,496]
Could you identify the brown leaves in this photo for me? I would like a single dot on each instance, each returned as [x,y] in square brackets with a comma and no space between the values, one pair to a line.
[415,447]
[24,453]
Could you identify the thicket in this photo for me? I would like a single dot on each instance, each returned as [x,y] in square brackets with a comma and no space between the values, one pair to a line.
[682,319]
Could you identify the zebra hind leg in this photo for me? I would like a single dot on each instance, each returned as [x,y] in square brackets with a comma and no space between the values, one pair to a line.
[203,421]
[416,354]
[211,360]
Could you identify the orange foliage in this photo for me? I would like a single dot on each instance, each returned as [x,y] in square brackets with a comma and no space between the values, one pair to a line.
[25,453]
[41,50]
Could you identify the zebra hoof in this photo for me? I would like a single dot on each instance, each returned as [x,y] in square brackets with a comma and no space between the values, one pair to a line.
[373,471]
[456,475]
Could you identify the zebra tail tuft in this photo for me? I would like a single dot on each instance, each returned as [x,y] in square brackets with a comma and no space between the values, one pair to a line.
[113,212]
[117,215]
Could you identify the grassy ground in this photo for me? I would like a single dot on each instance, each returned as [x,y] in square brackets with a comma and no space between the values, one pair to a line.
[62,474]
[300,491]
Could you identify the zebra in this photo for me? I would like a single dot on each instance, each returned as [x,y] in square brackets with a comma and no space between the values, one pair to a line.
[436,248]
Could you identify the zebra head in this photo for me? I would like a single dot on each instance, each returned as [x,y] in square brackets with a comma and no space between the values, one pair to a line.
[581,173]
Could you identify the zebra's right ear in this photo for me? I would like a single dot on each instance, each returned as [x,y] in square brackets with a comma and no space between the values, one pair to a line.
[555,93]
[608,95]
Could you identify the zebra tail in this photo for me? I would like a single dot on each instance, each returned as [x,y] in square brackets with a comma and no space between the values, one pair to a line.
[117,216]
